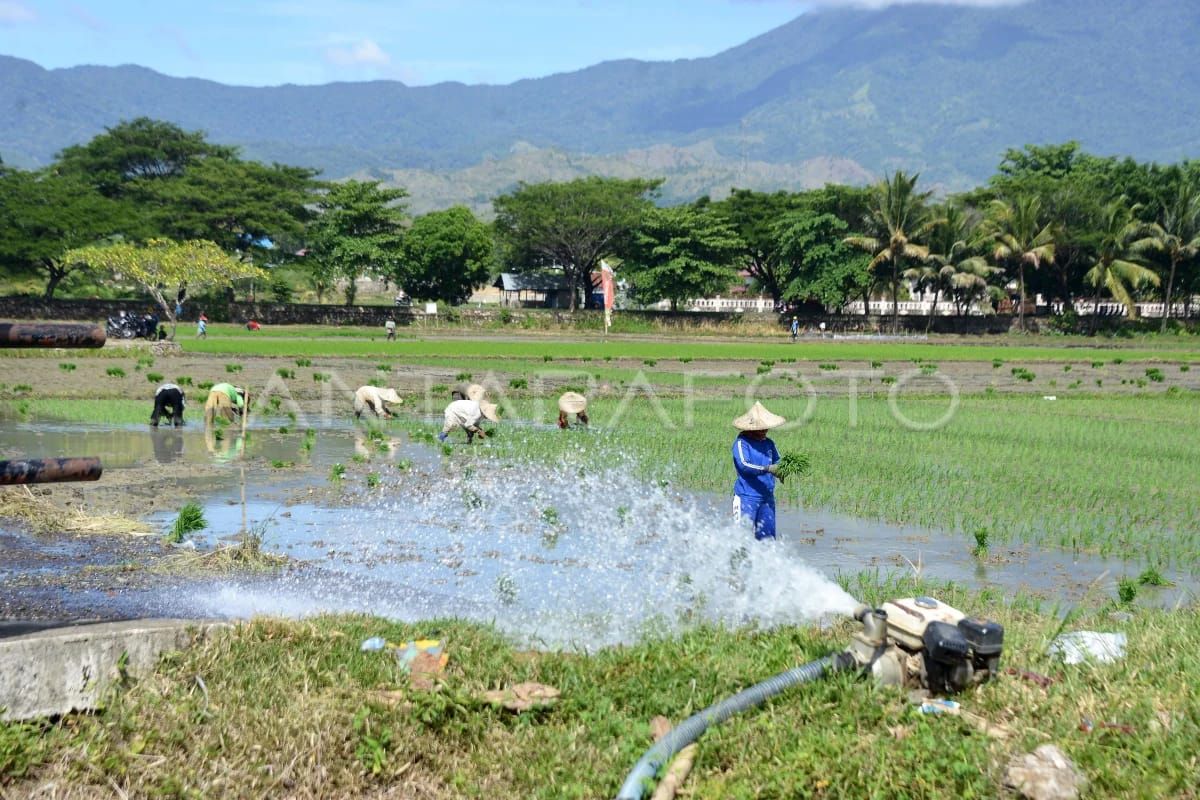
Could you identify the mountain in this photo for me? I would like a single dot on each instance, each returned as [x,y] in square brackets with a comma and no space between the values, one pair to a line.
[836,94]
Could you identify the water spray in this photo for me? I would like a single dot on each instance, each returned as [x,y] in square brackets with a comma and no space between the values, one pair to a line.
[912,643]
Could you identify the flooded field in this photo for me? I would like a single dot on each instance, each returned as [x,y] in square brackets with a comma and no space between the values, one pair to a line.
[576,555]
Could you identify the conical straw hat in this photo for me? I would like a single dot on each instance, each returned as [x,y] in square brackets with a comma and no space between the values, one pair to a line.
[489,410]
[476,392]
[758,419]
[572,403]
[389,396]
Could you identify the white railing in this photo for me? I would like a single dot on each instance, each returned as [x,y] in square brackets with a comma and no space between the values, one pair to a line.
[758,305]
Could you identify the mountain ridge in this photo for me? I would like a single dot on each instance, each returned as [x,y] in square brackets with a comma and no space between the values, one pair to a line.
[940,89]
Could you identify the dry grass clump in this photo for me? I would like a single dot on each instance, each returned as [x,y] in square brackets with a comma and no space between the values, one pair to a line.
[44,516]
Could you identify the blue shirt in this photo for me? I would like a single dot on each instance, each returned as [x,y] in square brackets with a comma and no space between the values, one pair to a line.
[751,457]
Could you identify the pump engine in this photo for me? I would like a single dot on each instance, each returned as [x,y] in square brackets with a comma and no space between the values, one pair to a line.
[922,643]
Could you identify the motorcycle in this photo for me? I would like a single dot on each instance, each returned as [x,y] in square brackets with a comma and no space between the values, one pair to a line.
[132,327]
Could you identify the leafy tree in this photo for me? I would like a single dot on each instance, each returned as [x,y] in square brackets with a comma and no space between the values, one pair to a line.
[241,205]
[897,218]
[1113,270]
[447,254]
[571,226]
[1175,237]
[161,266]
[953,267]
[682,253]
[754,217]
[358,231]
[43,214]
[1020,238]
[131,153]
[816,263]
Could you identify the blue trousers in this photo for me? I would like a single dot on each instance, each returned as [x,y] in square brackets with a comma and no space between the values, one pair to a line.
[760,511]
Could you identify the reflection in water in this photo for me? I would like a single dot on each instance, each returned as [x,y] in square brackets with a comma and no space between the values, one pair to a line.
[223,445]
[168,445]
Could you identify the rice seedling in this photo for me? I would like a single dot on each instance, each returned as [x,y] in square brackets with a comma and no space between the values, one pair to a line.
[876,364]
[21,388]
[337,472]
[518,383]
[190,520]
[1184,368]
[1155,374]
[379,382]
[997,363]
[547,358]
[793,464]
[383,367]
[303,362]
[763,369]
[1066,367]
[1023,374]
[233,368]
[66,366]
[887,380]
[403,465]
[154,377]
[373,480]
[284,429]
[115,372]
[928,369]
[280,464]
[684,360]
[183,380]
[829,367]
[1118,361]
[320,377]
[1127,590]
[463,376]
[204,386]
[286,373]
[439,388]
[1097,365]
[1152,577]
[982,540]
[358,458]
[650,362]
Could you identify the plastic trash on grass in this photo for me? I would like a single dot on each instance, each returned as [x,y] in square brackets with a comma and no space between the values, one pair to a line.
[1080,646]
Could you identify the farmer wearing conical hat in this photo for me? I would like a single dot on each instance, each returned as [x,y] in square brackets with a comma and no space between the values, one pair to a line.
[572,403]
[376,400]
[466,414]
[755,460]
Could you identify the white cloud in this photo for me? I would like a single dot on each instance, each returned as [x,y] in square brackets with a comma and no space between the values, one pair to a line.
[363,53]
[14,12]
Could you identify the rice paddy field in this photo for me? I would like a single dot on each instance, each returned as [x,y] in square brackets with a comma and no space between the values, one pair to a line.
[1076,448]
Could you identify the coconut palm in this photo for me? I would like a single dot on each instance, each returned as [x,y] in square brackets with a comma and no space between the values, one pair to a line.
[953,266]
[897,217]
[1175,238]
[1112,268]
[1020,239]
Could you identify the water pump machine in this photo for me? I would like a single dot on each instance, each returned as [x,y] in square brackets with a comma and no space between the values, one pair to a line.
[912,643]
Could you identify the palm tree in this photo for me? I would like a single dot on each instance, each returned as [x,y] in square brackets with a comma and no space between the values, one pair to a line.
[1112,269]
[1020,238]
[897,216]
[1175,238]
[953,265]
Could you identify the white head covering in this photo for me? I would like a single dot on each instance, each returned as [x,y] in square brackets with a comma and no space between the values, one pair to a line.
[572,403]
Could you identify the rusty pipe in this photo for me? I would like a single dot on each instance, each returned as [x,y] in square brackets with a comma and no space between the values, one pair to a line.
[50,470]
[51,334]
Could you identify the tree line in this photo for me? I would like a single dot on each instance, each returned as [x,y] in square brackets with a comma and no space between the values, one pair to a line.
[1053,220]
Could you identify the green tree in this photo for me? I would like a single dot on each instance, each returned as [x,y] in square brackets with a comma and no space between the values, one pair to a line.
[754,217]
[571,226]
[1020,238]
[44,214]
[133,152]
[358,231]
[243,206]
[447,254]
[898,217]
[1112,269]
[681,253]
[1175,238]
[816,263]
[954,266]
[161,266]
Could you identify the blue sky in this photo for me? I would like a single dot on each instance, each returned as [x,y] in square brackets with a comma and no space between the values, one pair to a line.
[268,42]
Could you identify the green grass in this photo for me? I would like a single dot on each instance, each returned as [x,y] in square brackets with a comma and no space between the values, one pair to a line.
[652,350]
[251,707]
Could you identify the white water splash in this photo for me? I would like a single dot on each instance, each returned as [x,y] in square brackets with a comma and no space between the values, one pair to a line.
[562,557]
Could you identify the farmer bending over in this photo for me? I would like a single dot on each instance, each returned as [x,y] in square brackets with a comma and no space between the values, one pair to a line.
[572,403]
[466,414]
[374,399]
[169,396]
[225,400]
[755,460]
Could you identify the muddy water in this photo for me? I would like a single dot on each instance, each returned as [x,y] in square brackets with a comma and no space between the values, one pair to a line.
[563,556]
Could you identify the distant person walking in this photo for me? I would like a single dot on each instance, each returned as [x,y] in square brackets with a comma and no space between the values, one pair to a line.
[202,327]
[795,328]
[390,327]
[168,402]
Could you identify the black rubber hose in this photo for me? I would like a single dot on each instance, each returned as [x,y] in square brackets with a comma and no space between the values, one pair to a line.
[644,772]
